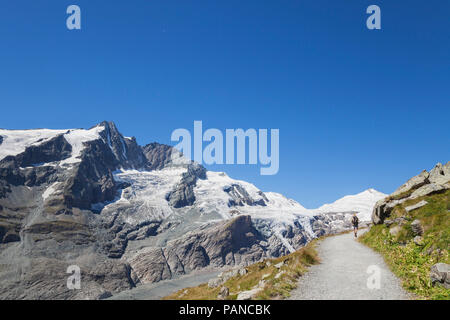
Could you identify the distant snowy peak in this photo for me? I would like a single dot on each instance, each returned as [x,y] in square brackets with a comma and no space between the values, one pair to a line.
[362,203]
[277,200]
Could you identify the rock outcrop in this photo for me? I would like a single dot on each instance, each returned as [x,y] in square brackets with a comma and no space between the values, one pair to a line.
[426,183]
[240,197]
[158,155]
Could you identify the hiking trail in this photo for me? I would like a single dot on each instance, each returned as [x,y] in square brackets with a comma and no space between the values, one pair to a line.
[343,273]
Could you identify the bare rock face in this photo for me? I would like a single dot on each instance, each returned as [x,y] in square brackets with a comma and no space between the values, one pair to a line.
[440,174]
[91,180]
[232,242]
[125,150]
[240,197]
[158,155]
[151,266]
[426,183]
[46,278]
[426,190]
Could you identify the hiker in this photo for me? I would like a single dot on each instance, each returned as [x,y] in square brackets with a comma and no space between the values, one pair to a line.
[355,222]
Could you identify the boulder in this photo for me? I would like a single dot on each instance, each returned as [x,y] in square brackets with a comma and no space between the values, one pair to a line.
[248,295]
[243,271]
[417,228]
[223,293]
[215,282]
[426,190]
[440,274]
[279,265]
[416,206]
[418,240]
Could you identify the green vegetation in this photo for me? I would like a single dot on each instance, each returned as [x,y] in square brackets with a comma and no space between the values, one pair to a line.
[411,262]
[278,281]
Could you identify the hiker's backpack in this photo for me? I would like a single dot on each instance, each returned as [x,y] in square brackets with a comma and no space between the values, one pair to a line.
[355,220]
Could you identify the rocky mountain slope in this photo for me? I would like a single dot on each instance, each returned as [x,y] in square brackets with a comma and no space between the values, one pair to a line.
[127,214]
[424,184]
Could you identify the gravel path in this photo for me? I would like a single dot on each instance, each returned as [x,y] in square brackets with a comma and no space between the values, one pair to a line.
[343,274]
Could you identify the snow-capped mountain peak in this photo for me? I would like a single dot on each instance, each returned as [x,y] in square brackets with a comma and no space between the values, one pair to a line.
[362,203]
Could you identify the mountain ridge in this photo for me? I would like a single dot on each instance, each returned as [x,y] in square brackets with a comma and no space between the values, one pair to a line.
[130,214]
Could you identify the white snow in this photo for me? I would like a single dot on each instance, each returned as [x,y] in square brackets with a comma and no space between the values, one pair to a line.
[16,141]
[283,239]
[76,138]
[49,191]
[148,190]
[210,196]
[362,203]
[124,149]
[279,201]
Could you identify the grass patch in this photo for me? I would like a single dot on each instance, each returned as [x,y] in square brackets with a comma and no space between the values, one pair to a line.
[294,265]
[411,262]
[400,196]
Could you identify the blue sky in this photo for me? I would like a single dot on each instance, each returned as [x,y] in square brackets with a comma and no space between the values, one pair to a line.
[355,108]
